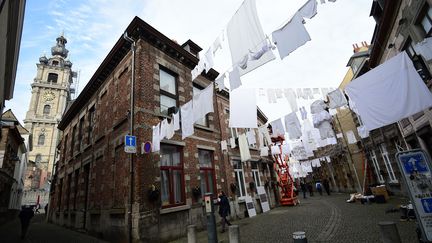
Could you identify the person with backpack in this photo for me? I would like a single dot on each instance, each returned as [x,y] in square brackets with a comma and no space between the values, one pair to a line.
[224,209]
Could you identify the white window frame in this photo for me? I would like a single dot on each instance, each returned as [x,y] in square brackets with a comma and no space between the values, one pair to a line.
[377,167]
[237,173]
[233,132]
[256,177]
[387,163]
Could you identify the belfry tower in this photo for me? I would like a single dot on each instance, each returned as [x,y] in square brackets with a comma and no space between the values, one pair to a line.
[51,91]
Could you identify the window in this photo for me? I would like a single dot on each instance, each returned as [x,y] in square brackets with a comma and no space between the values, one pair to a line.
[376,167]
[239,176]
[52,77]
[203,121]
[65,146]
[73,141]
[387,162]
[417,60]
[171,167]
[168,91]
[426,21]
[91,118]
[38,158]
[55,63]
[46,110]
[76,176]
[233,132]
[256,174]
[207,173]
[41,140]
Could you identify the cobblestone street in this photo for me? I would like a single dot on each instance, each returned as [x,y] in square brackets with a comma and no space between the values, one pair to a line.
[42,232]
[324,219]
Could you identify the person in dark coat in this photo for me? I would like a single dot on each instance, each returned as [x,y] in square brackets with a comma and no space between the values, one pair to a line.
[25,216]
[326,185]
[303,188]
[310,188]
[318,186]
[224,209]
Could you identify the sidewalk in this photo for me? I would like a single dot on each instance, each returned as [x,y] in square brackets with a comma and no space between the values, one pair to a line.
[42,232]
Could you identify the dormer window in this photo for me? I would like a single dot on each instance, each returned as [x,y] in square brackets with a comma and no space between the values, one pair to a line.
[52,77]
[55,63]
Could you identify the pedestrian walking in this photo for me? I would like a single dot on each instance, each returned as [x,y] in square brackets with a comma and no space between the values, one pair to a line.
[310,189]
[46,208]
[224,209]
[326,185]
[37,208]
[303,188]
[25,216]
[318,186]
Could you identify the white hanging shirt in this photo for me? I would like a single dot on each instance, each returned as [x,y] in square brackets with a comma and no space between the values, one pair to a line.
[163,129]
[208,63]
[291,36]
[170,129]
[251,137]
[336,99]
[277,128]
[224,146]
[234,78]
[244,148]
[351,137]
[232,142]
[245,35]
[155,139]
[220,82]
[264,135]
[202,102]
[176,121]
[243,108]
[309,9]
[187,121]
[292,125]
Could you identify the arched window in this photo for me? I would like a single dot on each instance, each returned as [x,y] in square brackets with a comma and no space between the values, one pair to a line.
[46,109]
[38,158]
[41,140]
[52,77]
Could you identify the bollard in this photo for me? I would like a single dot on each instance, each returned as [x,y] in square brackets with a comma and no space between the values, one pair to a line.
[299,237]
[191,233]
[234,234]
[211,219]
[389,232]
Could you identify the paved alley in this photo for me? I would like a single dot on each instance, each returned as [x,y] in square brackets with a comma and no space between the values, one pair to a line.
[324,219]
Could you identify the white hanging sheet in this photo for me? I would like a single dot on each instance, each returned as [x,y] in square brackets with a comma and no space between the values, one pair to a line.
[351,137]
[155,139]
[220,82]
[243,108]
[264,151]
[309,9]
[187,121]
[251,137]
[388,93]
[176,120]
[202,102]
[234,78]
[245,34]
[336,99]
[224,146]
[293,126]
[424,48]
[244,148]
[291,36]
[291,98]
[277,128]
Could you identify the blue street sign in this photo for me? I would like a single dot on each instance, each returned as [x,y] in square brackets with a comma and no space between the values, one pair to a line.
[130,140]
[130,144]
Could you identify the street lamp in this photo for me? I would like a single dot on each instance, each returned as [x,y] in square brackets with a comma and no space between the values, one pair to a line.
[131,128]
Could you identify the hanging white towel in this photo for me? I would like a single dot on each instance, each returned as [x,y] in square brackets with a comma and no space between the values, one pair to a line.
[155,139]
[234,79]
[291,36]
[291,98]
[202,102]
[275,150]
[277,128]
[163,129]
[388,93]
[245,34]
[224,146]
[264,151]
[187,121]
[251,137]
[309,9]
[176,120]
[208,63]
[232,142]
[292,125]
[170,129]
[336,99]
[243,108]
[220,82]
[244,148]
[351,137]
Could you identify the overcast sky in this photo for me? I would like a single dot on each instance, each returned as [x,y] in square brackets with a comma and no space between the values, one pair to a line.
[92,28]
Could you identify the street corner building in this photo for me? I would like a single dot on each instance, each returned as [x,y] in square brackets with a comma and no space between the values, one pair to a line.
[91,185]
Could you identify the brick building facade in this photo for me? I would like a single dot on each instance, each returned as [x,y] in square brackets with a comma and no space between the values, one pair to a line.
[91,184]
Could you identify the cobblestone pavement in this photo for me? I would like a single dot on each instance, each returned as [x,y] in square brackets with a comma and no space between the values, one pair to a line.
[324,219]
[42,232]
